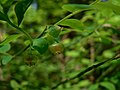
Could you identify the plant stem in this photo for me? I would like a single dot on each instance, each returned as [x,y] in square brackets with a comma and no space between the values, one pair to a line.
[21,51]
[94,66]
[20,29]
[68,16]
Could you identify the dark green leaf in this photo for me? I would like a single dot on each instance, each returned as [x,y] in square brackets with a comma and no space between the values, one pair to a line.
[41,45]
[73,23]
[21,8]
[75,7]
[6,59]
[10,39]
[108,85]
[56,48]
[6,5]
[4,48]
[3,16]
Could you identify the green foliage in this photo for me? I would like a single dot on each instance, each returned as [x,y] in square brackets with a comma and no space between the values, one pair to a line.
[6,5]
[108,6]
[108,85]
[94,87]
[3,16]
[59,47]
[21,8]
[14,85]
[73,23]
[10,39]
[5,59]
[75,7]
[5,48]
[54,31]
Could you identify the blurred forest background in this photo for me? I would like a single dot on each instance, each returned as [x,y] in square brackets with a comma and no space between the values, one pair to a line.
[98,40]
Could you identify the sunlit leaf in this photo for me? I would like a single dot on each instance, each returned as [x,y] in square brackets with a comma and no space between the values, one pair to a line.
[107,7]
[75,7]
[14,85]
[73,23]
[84,83]
[21,8]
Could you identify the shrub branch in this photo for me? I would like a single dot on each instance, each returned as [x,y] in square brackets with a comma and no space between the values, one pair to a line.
[94,66]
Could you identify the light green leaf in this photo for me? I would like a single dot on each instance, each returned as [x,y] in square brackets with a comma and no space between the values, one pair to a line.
[5,48]
[73,23]
[10,39]
[54,31]
[108,7]
[108,85]
[84,83]
[6,59]
[14,85]
[115,2]
[94,87]
[75,7]
[108,53]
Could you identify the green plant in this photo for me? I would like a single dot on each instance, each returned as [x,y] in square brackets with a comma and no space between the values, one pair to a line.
[49,38]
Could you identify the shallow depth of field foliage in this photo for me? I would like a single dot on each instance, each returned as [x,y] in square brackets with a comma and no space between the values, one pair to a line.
[40,52]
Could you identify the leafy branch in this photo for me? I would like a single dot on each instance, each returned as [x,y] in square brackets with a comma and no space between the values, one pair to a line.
[94,66]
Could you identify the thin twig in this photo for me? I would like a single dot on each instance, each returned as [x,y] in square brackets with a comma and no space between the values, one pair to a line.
[86,70]
[25,48]
[21,51]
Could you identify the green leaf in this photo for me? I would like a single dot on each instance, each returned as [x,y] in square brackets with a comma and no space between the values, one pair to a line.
[84,83]
[49,38]
[75,7]
[6,5]
[54,31]
[108,85]
[108,53]
[107,7]
[14,85]
[41,45]
[73,23]
[5,48]
[10,39]
[3,17]
[21,8]
[94,87]
[115,2]
[6,59]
